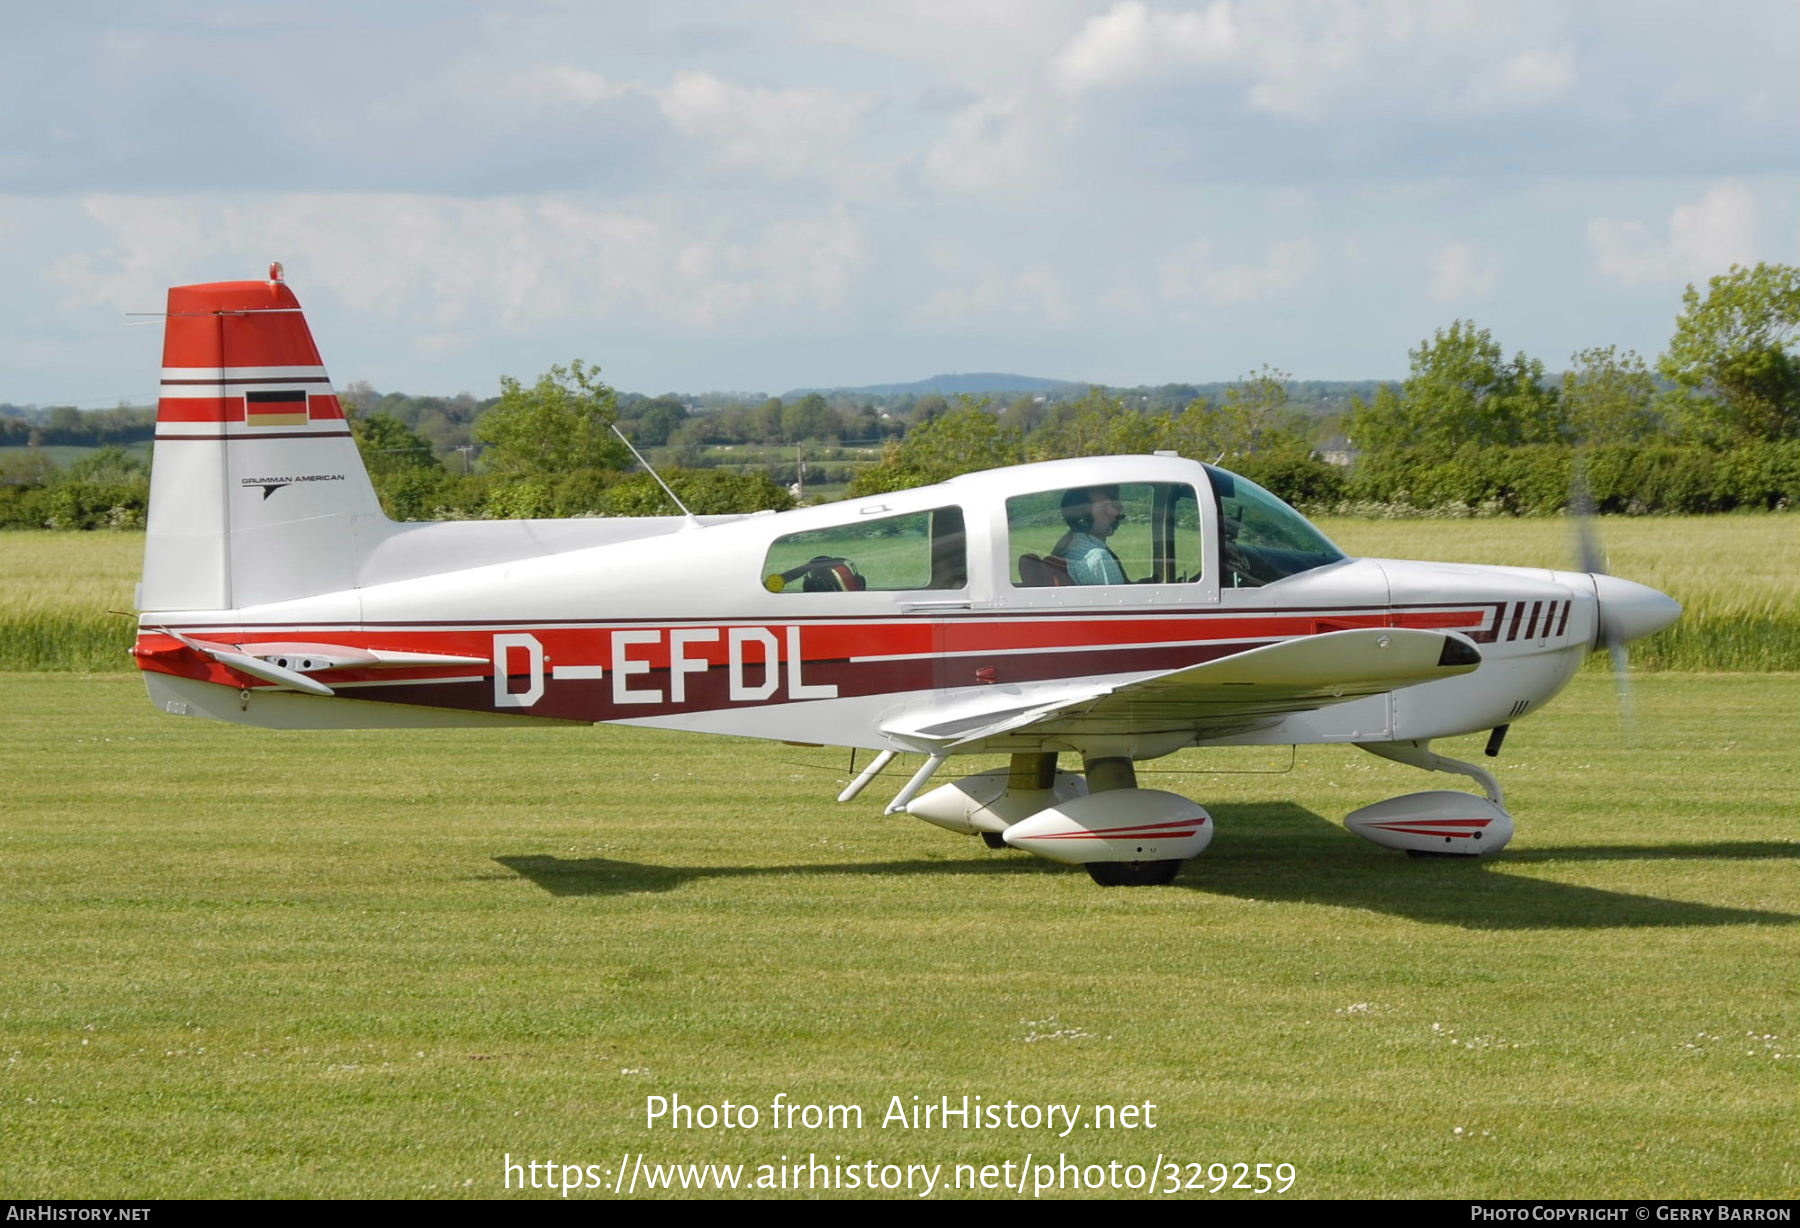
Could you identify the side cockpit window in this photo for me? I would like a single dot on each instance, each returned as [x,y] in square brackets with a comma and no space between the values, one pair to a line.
[1262,539]
[917,551]
[1133,533]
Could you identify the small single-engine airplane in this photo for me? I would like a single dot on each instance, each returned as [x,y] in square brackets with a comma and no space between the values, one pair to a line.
[1116,609]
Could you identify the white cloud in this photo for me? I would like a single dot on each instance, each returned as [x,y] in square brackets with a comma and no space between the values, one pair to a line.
[1461,273]
[780,134]
[1704,238]
[807,265]
[991,143]
[1193,273]
[560,83]
[966,43]
[1033,295]
[1129,41]
[1306,59]
[1533,78]
[515,264]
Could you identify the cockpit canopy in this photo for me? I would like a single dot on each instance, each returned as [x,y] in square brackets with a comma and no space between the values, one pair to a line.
[1092,534]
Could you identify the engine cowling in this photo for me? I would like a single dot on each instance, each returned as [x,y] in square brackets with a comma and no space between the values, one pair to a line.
[983,802]
[1116,825]
[1436,821]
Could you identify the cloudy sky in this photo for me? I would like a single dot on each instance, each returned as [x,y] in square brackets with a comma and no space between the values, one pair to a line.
[702,195]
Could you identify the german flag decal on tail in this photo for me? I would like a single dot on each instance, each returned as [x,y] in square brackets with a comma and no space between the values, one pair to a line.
[281,407]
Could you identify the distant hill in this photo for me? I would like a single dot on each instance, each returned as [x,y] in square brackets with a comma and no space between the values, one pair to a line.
[950,385]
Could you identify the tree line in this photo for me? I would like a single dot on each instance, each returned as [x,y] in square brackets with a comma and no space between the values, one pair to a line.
[1712,425]
[1715,426]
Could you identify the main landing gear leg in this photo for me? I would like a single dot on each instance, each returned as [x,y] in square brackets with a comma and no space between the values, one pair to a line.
[1103,776]
[1030,771]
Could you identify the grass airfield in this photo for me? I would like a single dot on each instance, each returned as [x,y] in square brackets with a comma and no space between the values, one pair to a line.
[245,963]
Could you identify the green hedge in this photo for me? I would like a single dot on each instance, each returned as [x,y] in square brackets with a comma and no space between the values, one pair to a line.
[1539,480]
[1523,481]
[431,494]
[75,505]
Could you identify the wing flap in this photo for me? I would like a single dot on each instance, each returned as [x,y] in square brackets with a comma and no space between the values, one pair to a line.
[1235,693]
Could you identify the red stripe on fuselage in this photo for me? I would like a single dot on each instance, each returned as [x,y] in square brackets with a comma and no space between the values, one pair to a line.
[854,658]
[860,641]
[647,683]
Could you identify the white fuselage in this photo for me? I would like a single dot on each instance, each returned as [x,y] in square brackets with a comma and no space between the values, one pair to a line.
[679,628]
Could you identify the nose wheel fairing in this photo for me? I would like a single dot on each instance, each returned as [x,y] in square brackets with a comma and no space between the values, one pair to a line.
[1437,822]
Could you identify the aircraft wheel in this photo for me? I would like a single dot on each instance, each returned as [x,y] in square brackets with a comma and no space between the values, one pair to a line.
[994,840]
[1133,873]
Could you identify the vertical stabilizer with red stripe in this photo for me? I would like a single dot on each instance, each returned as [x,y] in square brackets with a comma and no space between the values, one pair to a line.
[258,493]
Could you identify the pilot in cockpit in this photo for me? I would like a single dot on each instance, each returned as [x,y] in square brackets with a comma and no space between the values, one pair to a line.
[1093,514]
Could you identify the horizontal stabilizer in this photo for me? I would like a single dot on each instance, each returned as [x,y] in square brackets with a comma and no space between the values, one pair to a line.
[268,671]
[288,664]
[309,657]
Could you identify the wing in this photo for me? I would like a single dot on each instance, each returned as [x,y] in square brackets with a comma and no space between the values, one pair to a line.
[1247,690]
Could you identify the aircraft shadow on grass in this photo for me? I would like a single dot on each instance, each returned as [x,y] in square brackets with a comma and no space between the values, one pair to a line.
[1280,851]
[1283,852]
[1721,850]
[599,876]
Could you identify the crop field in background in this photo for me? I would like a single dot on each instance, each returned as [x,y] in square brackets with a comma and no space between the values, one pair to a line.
[249,963]
[56,594]
[64,455]
[1738,576]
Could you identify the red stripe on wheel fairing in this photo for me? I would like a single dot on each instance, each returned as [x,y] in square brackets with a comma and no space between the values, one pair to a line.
[1144,831]
[1456,828]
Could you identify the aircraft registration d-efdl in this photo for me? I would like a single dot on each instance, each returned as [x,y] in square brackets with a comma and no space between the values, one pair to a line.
[1111,610]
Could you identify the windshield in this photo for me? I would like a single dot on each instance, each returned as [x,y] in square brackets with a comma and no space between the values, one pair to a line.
[1262,539]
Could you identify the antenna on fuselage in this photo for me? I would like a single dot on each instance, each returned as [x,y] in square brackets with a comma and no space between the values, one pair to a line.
[648,468]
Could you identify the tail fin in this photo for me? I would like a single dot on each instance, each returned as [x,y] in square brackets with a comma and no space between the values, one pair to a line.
[258,491]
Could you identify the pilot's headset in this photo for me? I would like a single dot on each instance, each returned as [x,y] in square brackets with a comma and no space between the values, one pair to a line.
[1078,508]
